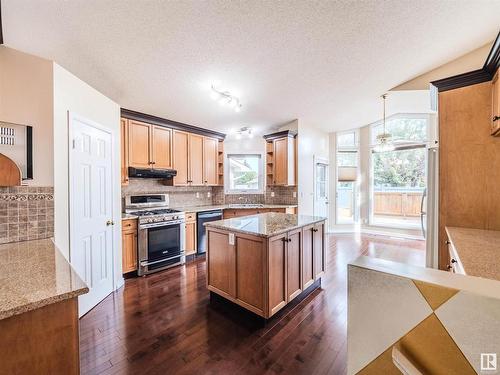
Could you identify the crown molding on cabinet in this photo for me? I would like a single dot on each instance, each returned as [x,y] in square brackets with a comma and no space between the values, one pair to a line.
[150,119]
[484,74]
[1,28]
[281,134]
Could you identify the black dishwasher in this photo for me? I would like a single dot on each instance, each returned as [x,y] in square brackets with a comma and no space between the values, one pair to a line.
[201,218]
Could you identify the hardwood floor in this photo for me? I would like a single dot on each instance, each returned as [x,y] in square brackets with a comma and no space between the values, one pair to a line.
[164,324]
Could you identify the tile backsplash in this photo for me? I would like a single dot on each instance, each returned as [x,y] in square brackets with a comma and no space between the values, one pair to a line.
[282,195]
[26,213]
[178,195]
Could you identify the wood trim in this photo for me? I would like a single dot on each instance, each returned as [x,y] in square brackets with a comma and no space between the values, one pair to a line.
[463,80]
[281,134]
[493,60]
[1,27]
[150,119]
[484,74]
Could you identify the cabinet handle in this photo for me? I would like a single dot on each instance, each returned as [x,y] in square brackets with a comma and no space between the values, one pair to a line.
[449,267]
[289,240]
[496,118]
[447,242]
[453,260]
[314,230]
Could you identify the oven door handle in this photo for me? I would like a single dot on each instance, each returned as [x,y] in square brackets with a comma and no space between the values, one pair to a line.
[162,224]
[145,263]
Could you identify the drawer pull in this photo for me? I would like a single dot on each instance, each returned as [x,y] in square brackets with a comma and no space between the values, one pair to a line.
[448,267]
[453,260]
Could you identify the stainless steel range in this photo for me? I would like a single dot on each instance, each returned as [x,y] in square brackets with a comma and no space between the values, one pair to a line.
[161,232]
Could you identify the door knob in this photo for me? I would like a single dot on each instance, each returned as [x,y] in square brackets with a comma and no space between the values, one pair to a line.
[110,222]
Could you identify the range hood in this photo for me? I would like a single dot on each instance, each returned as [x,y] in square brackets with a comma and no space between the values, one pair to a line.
[151,173]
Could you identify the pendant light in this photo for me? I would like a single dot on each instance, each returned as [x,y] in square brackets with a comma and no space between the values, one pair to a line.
[384,140]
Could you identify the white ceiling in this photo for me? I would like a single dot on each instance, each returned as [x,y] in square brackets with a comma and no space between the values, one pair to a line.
[323,62]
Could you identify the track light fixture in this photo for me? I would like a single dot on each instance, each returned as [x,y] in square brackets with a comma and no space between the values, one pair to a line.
[225,98]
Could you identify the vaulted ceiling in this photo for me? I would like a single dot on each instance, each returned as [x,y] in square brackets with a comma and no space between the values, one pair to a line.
[323,62]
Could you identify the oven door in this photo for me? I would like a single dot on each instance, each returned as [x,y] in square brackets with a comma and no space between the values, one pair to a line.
[160,246]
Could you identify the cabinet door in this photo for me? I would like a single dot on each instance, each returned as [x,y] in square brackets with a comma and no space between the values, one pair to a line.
[129,251]
[210,161]
[319,250]
[161,147]
[307,257]
[195,160]
[294,264]
[280,161]
[277,273]
[124,150]
[139,135]
[495,107]
[250,270]
[180,157]
[190,241]
[221,263]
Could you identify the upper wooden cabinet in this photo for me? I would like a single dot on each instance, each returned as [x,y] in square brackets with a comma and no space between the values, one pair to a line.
[210,161]
[139,135]
[149,146]
[161,147]
[281,158]
[495,105]
[195,159]
[181,165]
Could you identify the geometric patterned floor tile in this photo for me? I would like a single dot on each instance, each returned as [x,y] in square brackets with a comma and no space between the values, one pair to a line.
[473,321]
[382,308]
[434,294]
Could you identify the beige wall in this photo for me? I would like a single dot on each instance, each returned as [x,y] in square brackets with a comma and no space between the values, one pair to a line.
[313,143]
[73,95]
[466,63]
[26,98]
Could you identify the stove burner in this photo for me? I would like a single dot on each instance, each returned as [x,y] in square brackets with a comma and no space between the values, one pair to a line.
[154,212]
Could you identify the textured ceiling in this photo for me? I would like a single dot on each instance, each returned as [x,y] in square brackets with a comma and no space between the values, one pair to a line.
[323,62]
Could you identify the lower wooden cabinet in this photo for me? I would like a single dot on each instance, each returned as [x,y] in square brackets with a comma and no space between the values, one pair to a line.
[277,273]
[264,274]
[319,249]
[294,264]
[129,245]
[190,240]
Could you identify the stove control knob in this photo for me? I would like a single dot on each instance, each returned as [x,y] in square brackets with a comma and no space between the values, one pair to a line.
[175,217]
[158,219]
[149,220]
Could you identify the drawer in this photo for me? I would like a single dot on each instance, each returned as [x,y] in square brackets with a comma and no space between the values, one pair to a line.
[129,224]
[190,216]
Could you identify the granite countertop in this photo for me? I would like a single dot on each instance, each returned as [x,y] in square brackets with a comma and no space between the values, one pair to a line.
[34,274]
[128,216]
[478,250]
[265,225]
[230,206]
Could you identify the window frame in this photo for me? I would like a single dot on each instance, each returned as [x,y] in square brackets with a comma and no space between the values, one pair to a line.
[260,174]
[371,178]
[356,188]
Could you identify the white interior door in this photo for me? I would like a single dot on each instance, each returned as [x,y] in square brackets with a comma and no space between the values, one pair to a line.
[321,189]
[91,226]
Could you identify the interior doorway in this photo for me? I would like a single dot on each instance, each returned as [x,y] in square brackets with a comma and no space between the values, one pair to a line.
[321,187]
[91,209]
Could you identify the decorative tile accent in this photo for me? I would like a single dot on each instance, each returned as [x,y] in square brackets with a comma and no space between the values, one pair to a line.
[428,347]
[385,305]
[26,213]
[435,295]
[473,321]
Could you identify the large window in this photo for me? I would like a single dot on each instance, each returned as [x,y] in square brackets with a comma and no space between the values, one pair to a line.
[399,176]
[245,173]
[347,167]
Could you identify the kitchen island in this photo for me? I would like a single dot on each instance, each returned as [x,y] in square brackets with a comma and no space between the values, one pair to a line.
[262,262]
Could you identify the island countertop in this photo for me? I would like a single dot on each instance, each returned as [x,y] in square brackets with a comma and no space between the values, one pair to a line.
[478,251]
[266,224]
[34,274]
